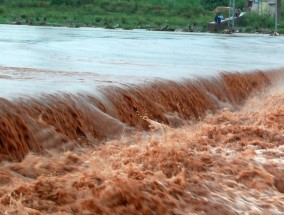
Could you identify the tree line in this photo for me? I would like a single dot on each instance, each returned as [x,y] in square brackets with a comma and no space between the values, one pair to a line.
[206,4]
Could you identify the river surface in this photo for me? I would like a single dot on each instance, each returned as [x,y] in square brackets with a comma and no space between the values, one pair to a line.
[47,59]
[196,147]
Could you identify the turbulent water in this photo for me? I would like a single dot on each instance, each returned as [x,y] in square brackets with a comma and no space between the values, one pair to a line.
[141,144]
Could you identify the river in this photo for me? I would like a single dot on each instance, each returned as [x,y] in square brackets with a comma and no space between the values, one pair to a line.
[96,121]
[47,59]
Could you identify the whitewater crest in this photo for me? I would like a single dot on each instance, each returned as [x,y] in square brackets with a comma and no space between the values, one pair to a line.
[208,146]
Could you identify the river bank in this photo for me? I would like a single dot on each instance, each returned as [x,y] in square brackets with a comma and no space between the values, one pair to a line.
[167,28]
[186,16]
[188,29]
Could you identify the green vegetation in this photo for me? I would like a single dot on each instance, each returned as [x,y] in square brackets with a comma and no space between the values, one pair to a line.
[127,14]
[211,4]
[255,23]
[101,13]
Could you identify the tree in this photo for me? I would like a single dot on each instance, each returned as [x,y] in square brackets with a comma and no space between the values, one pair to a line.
[70,2]
[211,4]
[56,2]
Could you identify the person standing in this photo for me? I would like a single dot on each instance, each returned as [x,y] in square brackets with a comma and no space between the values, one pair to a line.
[220,18]
[238,12]
[216,17]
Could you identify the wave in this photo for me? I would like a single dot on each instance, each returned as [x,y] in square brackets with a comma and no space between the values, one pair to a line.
[62,121]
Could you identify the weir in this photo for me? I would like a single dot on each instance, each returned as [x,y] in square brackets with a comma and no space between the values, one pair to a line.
[65,121]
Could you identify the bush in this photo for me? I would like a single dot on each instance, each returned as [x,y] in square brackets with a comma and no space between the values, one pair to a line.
[2,10]
[154,13]
[258,21]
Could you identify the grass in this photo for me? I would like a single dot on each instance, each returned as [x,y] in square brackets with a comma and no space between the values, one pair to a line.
[127,14]
[253,22]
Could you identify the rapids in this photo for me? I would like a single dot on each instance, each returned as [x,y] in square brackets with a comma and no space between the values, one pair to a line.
[209,146]
[127,135]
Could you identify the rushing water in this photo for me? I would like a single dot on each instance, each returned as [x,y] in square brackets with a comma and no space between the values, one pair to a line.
[69,59]
[153,140]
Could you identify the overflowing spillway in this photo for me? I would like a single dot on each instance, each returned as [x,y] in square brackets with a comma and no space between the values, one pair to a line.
[61,120]
[212,146]
[96,121]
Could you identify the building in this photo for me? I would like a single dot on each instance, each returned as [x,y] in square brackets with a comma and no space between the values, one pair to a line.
[264,6]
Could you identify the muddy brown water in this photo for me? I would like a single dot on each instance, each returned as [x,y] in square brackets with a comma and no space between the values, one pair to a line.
[134,122]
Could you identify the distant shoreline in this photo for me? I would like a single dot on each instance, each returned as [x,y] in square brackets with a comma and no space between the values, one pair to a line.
[192,29]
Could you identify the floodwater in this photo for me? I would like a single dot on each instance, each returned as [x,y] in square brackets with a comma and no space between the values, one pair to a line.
[96,121]
[46,59]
